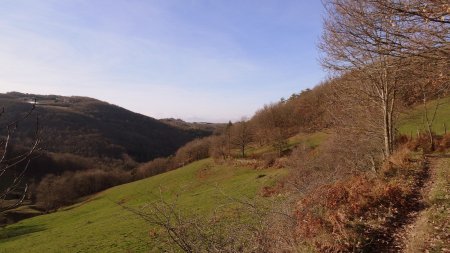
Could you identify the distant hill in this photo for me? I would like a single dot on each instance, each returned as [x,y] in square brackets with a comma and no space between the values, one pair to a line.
[179,123]
[91,128]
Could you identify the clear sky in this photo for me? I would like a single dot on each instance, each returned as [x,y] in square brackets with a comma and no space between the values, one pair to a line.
[199,60]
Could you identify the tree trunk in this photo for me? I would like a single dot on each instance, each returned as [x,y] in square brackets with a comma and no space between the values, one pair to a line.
[387,131]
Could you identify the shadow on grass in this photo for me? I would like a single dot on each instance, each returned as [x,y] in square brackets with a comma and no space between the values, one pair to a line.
[9,233]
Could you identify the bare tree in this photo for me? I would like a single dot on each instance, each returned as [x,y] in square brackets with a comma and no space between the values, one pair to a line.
[361,39]
[430,80]
[423,25]
[242,136]
[219,147]
[228,137]
[436,11]
[13,166]
[275,124]
[422,32]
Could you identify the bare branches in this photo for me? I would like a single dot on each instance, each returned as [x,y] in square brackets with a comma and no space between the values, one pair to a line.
[242,136]
[13,166]
[374,41]
[238,224]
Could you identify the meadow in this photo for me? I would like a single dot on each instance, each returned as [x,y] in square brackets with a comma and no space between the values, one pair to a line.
[101,224]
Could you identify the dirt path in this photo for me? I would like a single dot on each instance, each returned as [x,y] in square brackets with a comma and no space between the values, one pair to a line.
[415,234]
[404,222]
[404,234]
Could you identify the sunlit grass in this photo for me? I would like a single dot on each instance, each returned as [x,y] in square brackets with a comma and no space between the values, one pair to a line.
[99,224]
[413,120]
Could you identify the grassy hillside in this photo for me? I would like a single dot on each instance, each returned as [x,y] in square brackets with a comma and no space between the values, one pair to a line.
[412,121]
[100,225]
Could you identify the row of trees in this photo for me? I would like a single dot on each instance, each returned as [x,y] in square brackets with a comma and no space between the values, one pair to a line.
[55,191]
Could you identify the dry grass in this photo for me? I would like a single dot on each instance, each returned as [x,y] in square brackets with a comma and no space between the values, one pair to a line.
[351,214]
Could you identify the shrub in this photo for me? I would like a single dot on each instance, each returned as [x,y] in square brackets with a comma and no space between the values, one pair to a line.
[421,142]
[55,191]
[193,151]
[154,167]
[444,143]
[269,159]
[344,215]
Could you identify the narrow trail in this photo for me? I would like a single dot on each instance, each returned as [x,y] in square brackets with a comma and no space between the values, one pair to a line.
[404,233]
[392,238]
[407,234]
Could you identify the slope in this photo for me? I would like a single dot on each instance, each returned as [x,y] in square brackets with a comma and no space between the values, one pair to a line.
[413,120]
[99,224]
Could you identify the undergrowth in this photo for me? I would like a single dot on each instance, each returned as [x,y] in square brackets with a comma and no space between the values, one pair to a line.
[356,214]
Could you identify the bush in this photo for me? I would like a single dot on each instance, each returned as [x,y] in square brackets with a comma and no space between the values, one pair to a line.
[343,216]
[269,159]
[154,167]
[55,191]
[421,142]
[444,143]
[193,151]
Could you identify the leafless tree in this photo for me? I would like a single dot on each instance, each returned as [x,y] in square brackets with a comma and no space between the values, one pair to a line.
[228,137]
[430,81]
[219,147]
[274,124]
[423,25]
[242,136]
[13,166]
[361,39]
[436,11]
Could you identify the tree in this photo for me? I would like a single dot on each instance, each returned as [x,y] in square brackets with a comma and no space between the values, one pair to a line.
[430,81]
[274,124]
[242,136]
[228,137]
[13,165]
[219,147]
[424,26]
[359,39]
[424,29]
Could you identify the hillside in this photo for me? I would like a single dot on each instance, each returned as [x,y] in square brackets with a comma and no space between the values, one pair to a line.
[91,128]
[413,120]
[99,224]
[179,123]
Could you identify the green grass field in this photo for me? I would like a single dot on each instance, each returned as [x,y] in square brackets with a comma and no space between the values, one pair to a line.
[99,224]
[413,121]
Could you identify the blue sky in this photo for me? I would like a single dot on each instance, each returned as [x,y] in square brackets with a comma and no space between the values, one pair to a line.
[199,60]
